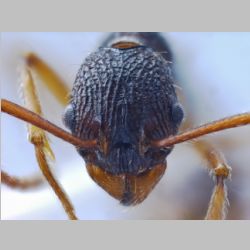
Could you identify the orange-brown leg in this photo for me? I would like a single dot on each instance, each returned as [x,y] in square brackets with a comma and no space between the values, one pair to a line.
[219,168]
[216,163]
[48,77]
[21,183]
[40,141]
[215,159]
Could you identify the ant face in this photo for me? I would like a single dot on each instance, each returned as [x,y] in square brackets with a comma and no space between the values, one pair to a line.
[124,98]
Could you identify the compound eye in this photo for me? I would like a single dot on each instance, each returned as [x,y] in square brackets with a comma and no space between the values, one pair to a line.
[177,113]
[68,117]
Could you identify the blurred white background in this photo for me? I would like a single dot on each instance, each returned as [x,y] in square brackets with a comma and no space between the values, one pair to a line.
[214,73]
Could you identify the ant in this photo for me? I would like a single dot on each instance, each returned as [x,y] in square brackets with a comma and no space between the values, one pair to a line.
[124,114]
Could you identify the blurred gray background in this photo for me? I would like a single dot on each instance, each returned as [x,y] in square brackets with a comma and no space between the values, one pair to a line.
[214,73]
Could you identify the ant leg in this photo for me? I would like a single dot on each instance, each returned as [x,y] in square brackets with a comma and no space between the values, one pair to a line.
[216,161]
[49,77]
[59,89]
[41,144]
[40,141]
[217,164]
[21,183]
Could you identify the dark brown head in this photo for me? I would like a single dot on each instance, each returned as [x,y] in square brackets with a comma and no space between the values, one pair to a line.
[124,98]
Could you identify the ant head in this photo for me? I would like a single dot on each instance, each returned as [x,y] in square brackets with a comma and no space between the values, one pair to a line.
[124,99]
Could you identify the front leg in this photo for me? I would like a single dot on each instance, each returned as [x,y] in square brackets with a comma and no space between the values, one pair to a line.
[41,144]
[216,163]
[21,183]
[219,168]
